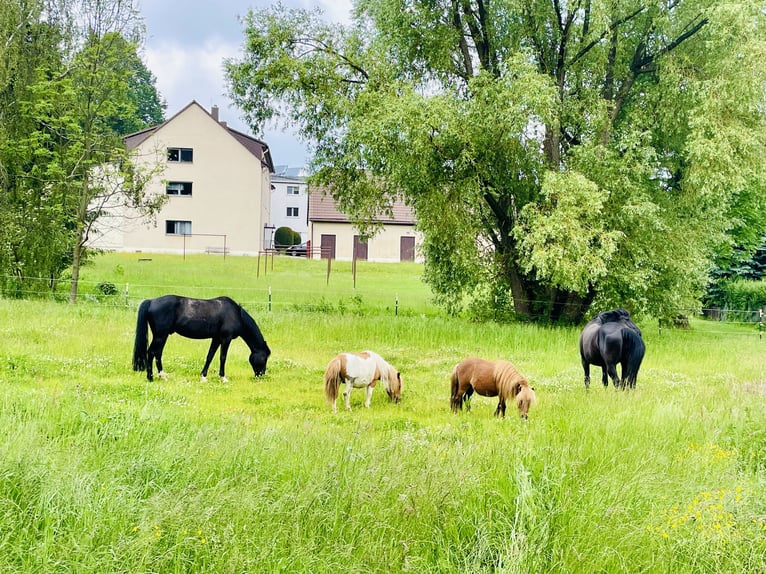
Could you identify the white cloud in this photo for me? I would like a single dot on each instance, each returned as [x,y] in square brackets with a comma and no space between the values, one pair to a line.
[186,73]
[186,51]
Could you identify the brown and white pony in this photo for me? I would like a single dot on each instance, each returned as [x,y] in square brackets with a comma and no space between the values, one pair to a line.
[490,379]
[360,371]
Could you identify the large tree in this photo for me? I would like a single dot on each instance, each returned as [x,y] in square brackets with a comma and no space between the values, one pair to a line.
[559,154]
[63,156]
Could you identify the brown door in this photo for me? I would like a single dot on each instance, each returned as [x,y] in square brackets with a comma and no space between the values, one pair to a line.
[327,247]
[360,249]
[407,248]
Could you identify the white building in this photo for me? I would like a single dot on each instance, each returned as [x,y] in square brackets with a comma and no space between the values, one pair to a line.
[289,204]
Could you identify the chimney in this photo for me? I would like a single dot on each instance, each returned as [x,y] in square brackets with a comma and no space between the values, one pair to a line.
[214,112]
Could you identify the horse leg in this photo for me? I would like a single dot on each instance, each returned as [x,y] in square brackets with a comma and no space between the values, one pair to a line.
[628,376]
[467,398]
[368,398]
[586,369]
[224,351]
[500,410]
[612,370]
[604,378]
[214,344]
[154,353]
[347,396]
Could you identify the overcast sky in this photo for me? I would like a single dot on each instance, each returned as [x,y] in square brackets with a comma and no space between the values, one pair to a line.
[186,43]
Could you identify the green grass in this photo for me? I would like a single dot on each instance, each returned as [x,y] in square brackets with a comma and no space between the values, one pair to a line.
[101,471]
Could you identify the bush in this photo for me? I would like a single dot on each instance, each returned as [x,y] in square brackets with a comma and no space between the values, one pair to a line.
[744,295]
[107,288]
[283,237]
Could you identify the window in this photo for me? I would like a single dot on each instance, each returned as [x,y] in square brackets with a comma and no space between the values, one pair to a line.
[292,212]
[178,227]
[293,190]
[178,188]
[180,154]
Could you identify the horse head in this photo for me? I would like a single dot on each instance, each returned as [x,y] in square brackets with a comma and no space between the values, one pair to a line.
[258,360]
[393,383]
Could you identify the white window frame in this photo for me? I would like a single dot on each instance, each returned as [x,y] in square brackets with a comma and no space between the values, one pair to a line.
[293,190]
[179,188]
[179,227]
[293,212]
[180,155]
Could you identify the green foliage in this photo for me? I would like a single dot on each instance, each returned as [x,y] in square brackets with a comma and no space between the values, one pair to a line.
[284,236]
[71,91]
[600,157]
[107,288]
[743,295]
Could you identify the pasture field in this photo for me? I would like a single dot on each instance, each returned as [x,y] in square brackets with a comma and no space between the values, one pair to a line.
[102,471]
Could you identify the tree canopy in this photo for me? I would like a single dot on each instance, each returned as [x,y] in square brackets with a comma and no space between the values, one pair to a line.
[559,155]
[71,84]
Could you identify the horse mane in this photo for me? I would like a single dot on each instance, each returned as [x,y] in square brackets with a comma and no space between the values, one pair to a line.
[251,328]
[508,380]
[614,316]
[388,373]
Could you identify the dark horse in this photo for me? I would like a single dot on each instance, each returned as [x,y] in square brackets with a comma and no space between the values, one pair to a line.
[219,319]
[610,338]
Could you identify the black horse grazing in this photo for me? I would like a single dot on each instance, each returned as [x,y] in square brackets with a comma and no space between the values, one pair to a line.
[610,338]
[219,319]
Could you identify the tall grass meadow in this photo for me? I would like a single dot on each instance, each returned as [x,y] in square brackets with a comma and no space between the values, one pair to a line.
[102,471]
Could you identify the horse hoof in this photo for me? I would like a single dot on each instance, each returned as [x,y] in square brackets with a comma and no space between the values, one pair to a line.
[203,379]
[162,375]
[224,380]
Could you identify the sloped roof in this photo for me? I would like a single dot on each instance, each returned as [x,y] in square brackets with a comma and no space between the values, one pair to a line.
[258,148]
[322,208]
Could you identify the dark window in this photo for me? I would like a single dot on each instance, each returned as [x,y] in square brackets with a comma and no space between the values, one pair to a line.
[180,154]
[178,188]
[178,227]
[292,212]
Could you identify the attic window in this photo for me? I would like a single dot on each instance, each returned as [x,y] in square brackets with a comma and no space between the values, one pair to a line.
[293,190]
[180,154]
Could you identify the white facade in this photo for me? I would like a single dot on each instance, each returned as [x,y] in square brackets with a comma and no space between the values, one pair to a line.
[289,206]
[217,181]
[391,244]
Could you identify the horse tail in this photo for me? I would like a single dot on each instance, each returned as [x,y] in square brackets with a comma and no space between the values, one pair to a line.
[140,357]
[455,402]
[634,348]
[332,379]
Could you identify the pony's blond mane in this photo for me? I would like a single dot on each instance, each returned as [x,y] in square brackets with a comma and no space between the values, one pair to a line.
[508,380]
[388,373]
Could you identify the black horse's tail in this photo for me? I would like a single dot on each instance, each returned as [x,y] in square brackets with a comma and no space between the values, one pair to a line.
[634,347]
[140,357]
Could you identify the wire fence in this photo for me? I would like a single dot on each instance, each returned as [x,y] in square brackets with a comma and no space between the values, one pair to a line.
[297,298]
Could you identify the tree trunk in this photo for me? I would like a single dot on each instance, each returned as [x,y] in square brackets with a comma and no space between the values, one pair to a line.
[76,257]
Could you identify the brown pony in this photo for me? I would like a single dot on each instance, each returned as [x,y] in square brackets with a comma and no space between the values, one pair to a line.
[360,371]
[490,379]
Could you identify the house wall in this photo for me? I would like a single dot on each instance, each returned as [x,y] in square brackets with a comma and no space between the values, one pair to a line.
[228,198]
[280,201]
[383,248]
